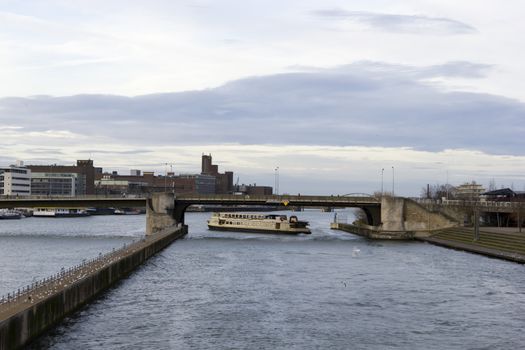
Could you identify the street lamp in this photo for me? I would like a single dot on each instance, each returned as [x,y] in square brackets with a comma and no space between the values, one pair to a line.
[393,193]
[382,173]
[166,177]
[276,174]
[446,188]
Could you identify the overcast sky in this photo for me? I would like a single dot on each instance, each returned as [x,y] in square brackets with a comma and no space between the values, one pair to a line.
[331,92]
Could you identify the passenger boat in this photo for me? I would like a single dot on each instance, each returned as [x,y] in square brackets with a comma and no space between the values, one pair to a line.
[59,212]
[264,223]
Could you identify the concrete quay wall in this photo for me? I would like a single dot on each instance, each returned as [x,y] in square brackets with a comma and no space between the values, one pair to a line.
[372,232]
[26,317]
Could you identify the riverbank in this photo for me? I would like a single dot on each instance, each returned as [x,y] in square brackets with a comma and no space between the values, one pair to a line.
[501,243]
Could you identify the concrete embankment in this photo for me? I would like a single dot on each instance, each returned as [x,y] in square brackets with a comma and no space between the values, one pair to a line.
[372,232]
[490,242]
[26,314]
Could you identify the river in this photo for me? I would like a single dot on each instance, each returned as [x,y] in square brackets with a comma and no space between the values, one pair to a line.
[221,290]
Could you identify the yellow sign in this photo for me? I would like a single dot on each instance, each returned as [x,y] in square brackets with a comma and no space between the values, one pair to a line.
[285,203]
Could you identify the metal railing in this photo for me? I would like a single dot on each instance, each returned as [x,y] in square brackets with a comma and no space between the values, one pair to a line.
[277,198]
[42,288]
[80,197]
[471,203]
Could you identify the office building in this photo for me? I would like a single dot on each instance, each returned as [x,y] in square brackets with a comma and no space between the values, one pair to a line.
[15,180]
[55,184]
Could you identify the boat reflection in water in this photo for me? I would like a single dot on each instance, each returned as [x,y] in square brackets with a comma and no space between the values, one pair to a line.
[263,223]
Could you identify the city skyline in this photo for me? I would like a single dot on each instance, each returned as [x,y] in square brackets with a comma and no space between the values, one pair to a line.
[329,92]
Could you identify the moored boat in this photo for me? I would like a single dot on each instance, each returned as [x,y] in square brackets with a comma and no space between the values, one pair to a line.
[263,223]
[10,214]
[59,212]
[127,211]
[101,211]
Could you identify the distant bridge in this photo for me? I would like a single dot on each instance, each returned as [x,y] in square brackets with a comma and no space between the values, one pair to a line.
[72,202]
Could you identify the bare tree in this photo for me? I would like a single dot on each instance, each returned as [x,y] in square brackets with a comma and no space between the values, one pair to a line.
[438,191]
[492,185]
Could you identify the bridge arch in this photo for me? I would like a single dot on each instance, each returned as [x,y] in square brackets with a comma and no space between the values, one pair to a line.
[373,215]
[370,205]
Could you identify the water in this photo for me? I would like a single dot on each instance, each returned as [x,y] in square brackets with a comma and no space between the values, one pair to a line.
[328,290]
[35,248]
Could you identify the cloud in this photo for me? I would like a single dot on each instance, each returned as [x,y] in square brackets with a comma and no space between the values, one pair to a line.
[453,69]
[413,24]
[370,104]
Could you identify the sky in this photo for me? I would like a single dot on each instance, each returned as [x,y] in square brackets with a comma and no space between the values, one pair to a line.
[342,96]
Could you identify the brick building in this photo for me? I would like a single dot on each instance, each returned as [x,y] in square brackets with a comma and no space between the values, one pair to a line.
[223,182]
[147,182]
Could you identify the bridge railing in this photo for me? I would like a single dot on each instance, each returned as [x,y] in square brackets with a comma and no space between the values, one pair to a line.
[80,197]
[274,199]
[270,199]
[470,203]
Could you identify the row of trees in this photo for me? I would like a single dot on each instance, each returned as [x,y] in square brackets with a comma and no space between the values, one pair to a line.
[439,191]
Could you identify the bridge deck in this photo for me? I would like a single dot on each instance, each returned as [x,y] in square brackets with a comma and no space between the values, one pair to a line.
[189,199]
[312,201]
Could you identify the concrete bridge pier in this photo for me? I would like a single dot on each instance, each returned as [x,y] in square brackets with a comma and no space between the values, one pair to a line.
[160,210]
[393,213]
[397,218]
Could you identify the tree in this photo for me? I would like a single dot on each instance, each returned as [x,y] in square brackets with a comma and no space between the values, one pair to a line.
[492,185]
[438,191]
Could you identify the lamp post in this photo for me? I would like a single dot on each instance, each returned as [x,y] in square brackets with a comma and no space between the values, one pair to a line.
[172,181]
[382,173]
[446,189]
[393,193]
[166,177]
[276,175]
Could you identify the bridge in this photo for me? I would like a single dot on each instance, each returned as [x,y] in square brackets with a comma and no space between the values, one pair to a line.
[178,204]
[71,202]
[394,216]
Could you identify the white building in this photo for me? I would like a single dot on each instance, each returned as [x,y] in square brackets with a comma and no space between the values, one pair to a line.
[15,180]
[469,191]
